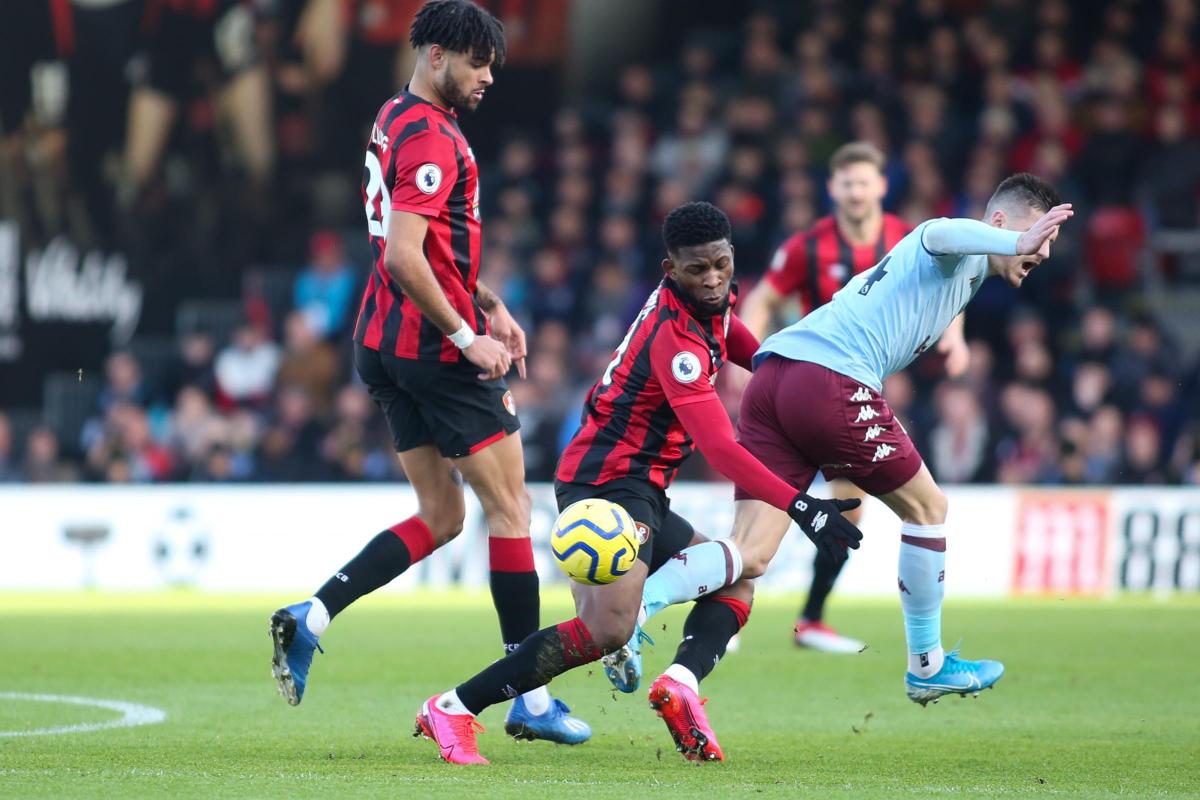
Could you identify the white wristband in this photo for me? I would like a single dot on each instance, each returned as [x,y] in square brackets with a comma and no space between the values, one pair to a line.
[462,338]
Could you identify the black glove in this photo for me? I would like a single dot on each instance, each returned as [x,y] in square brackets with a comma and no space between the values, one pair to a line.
[822,521]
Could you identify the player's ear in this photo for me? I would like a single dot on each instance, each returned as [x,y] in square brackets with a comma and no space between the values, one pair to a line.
[998,219]
[436,55]
[668,266]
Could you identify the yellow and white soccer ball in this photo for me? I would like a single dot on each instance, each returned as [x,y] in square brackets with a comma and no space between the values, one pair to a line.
[594,541]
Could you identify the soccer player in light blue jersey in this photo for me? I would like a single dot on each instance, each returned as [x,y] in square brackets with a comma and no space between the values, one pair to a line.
[815,403]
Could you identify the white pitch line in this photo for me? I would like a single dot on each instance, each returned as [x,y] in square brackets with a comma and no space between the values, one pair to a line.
[133,714]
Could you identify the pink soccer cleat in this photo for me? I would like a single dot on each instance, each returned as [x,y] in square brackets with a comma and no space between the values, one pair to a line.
[683,711]
[453,733]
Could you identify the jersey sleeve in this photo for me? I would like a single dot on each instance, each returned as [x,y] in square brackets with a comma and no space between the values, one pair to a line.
[426,167]
[681,363]
[789,266]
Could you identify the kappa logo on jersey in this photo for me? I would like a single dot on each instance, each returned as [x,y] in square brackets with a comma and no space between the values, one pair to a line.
[873,432]
[643,533]
[861,396]
[510,405]
[685,367]
[429,178]
[883,451]
[866,414]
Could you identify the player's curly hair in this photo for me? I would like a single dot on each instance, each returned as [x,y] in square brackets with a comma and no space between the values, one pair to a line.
[1027,189]
[461,26]
[694,223]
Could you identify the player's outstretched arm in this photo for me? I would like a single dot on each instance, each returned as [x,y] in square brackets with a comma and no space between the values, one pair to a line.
[968,237]
[405,262]
[821,520]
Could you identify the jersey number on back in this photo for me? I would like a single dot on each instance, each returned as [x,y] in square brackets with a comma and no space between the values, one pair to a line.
[376,226]
[877,274]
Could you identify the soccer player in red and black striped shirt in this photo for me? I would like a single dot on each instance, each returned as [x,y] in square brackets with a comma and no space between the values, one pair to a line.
[433,346]
[655,399]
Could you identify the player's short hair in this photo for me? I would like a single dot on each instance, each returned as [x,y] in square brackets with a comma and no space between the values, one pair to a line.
[695,223]
[857,153]
[1026,189]
[461,26]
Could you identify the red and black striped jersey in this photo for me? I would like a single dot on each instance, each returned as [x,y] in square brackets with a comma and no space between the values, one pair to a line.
[817,262]
[418,162]
[669,357]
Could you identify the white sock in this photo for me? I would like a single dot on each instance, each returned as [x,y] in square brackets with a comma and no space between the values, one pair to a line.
[318,617]
[684,676]
[925,665]
[537,700]
[450,703]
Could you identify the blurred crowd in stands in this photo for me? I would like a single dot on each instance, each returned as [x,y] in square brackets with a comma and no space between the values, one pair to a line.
[1073,379]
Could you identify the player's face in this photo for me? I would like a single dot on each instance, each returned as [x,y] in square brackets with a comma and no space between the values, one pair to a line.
[464,79]
[858,190]
[704,272]
[1015,269]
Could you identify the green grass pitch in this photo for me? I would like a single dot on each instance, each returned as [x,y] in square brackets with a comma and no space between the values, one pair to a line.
[1101,699]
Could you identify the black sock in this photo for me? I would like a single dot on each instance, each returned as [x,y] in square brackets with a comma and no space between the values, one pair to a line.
[515,595]
[384,557]
[706,633]
[825,574]
[547,653]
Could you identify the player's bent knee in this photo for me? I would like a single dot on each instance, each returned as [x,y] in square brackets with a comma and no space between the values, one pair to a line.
[610,631]
[445,527]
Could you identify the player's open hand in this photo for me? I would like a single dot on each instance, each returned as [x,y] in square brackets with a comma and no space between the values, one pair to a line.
[822,521]
[490,355]
[1033,240]
[506,329]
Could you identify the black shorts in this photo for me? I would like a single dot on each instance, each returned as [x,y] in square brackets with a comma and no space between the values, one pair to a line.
[432,402]
[666,532]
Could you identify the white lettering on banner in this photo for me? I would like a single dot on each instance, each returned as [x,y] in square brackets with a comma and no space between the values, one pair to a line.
[1157,541]
[1062,543]
[60,285]
[212,538]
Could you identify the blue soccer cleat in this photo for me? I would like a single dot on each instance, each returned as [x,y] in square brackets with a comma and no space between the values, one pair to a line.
[294,646]
[554,725]
[957,676]
[624,667]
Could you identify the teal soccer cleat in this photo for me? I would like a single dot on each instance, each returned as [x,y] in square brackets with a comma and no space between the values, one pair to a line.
[554,725]
[957,676]
[294,645]
[624,667]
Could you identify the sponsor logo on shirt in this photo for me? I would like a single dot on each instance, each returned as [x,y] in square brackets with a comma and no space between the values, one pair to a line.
[883,451]
[873,432]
